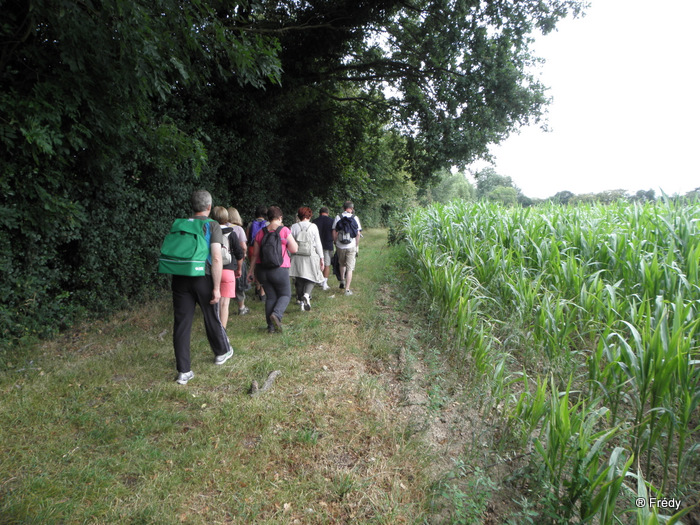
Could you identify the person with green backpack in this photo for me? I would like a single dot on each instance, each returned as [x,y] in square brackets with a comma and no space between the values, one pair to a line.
[191,252]
[307,262]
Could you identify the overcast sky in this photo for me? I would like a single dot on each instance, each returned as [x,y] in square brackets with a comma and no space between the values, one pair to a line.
[625,112]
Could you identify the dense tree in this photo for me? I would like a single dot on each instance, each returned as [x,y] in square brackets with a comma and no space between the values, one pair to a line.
[609,196]
[87,153]
[112,110]
[450,186]
[449,76]
[644,196]
[488,179]
[563,197]
[505,195]
[583,198]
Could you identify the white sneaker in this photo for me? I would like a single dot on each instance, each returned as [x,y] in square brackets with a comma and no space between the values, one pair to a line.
[221,359]
[183,377]
[324,285]
[306,302]
[348,292]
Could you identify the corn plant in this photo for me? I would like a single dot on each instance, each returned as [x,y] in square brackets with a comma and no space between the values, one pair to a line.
[614,290]
[573,452]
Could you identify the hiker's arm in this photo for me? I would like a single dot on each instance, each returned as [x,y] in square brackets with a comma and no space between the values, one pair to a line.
[216,267]
[238,253]
[237,247]
[292,245]
[318,246]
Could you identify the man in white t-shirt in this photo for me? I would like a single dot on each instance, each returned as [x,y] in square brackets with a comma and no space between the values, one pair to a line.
[346,248]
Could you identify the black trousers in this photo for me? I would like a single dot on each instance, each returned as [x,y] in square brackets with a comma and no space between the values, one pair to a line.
[188,292]
[278,290]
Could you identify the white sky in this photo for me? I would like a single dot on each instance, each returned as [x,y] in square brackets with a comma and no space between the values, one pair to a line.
[625,84]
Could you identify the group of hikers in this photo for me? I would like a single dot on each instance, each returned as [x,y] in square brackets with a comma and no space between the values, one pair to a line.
[207,258]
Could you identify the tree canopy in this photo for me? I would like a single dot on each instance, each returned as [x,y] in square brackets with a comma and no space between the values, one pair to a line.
[112,111]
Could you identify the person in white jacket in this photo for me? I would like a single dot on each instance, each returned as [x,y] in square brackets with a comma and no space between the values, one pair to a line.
[307,263]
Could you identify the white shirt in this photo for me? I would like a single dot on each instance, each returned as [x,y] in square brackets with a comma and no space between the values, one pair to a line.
[353,244]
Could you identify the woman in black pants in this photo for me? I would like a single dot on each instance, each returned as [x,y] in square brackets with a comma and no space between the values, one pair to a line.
[272,270]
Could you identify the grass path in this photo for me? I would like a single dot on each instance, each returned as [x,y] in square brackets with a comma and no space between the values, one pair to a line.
[95,430]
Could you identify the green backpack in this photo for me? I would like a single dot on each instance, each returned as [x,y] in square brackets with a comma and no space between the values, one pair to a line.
[185,250]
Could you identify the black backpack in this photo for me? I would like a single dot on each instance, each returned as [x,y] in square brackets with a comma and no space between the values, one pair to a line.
[271,249]
[347,229]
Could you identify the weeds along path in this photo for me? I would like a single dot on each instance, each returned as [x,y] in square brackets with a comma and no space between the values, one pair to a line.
[96,430]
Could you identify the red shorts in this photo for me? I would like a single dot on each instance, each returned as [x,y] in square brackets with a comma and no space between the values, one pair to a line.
[228,283]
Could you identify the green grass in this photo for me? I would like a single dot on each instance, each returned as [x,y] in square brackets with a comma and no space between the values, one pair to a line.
[521,362]
[95,430]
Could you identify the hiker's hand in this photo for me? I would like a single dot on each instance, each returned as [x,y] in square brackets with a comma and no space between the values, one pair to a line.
[215,296]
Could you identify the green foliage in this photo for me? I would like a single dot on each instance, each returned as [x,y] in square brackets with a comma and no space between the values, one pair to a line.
[87,155]
[450,186]
[607,297]
[467,494]
[113,110]
[498,188]
[503,195]
[487,180]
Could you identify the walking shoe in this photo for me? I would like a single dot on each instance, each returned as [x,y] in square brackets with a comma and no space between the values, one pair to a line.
[306,303]
[301,305]
[348,292]
[243,311]
[270,329]
[183,377]
[342,285]
[277,321]
[221,359]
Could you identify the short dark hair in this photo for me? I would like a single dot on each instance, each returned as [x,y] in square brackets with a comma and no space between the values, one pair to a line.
[274,212]
[324,209]
[348,205]
[261,211]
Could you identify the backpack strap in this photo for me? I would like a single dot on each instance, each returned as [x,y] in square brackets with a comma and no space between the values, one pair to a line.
[207,225]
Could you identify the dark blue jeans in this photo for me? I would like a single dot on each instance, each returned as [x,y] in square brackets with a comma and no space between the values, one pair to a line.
[278,290]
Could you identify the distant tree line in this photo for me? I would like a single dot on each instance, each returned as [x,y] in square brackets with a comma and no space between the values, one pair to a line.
[489,185]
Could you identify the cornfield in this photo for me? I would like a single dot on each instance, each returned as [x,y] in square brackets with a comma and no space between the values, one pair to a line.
[584,322]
